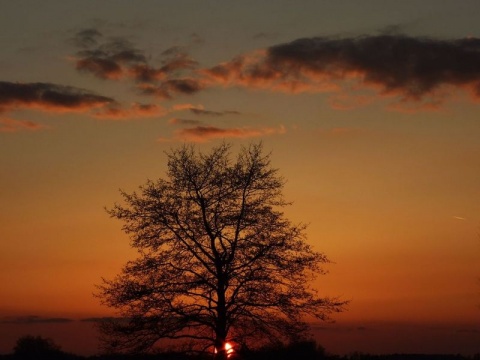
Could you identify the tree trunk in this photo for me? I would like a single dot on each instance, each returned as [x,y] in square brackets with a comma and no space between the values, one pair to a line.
[221,326]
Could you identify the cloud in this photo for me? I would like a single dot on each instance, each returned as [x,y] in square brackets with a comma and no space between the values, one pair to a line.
[410,68]
[176,62]
[206,133]
[110,60]
[168,88]
[177,121]
[117,58]
[86,38]
[415,73]
[48,97]
[12,125]
[180,107]
[32,319]
[203,112]
[135,111]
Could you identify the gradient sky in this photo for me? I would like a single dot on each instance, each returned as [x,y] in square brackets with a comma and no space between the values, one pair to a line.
[370,108]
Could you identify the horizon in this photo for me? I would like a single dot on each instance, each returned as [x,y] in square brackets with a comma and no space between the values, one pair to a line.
[370,111]
[339,338]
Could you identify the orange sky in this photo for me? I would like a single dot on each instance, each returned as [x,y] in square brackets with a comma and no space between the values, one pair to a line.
[373,120]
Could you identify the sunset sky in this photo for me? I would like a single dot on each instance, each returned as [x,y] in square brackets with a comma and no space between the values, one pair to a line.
[371,110]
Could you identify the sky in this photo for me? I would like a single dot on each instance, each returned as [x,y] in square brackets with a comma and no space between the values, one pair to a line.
[370,110]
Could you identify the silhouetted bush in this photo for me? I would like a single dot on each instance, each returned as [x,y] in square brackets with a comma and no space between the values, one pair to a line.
[39,348]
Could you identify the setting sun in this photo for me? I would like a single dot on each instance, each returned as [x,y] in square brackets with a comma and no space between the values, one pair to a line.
[228,348]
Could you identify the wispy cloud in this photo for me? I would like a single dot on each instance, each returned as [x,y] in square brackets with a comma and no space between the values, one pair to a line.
[86,38]
[117,58]
[136,110]
[167,89]
[12,125]
[206,133]
[203,112]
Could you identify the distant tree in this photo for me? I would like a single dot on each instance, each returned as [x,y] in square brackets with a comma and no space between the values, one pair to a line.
[36,347]
[218,261]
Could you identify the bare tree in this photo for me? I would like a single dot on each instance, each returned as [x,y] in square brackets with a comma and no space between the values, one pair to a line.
[218,261]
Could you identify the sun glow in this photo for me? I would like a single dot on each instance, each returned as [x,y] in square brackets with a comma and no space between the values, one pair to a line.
[228,349]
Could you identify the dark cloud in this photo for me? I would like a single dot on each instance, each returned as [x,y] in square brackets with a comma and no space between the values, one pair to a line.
[168,88]
[177,121]
[206,133]
[111,59]
[176,61]
[412,68]
[203,112]
[47,96]
[179,61]
[116,58]
[183,86]
[32,319]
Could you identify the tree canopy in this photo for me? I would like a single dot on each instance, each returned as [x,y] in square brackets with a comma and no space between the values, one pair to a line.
[218,262]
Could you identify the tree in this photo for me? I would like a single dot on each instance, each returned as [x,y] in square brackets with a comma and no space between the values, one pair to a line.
[36,347]
[218,261]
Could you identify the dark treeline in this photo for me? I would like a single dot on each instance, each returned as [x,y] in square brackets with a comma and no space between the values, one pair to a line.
[37,348]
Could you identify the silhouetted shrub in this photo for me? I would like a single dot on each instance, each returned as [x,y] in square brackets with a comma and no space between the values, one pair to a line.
[39,348]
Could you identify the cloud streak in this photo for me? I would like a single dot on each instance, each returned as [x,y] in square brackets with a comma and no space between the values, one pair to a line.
[203,112]
[11,125]
[135,111]
[167,89]
[206,133]
[48,97]
[177,121]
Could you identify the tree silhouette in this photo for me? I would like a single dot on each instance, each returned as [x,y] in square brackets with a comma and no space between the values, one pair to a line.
[218,261]
[36,347]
